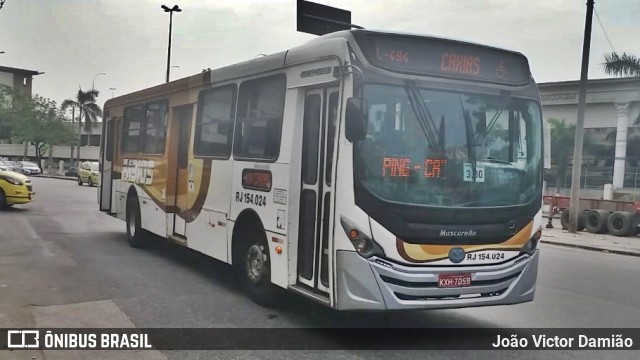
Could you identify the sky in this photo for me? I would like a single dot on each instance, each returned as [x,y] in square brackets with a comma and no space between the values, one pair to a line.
[73,40]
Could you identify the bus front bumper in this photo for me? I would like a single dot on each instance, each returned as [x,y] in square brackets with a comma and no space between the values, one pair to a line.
[364,284]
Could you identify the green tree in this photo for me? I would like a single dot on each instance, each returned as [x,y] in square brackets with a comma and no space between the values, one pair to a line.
[88,111]
[562,144]
[622,65]
[35,120]
[5,112]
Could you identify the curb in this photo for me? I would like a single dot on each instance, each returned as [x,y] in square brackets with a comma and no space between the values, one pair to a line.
[55,177]
[592,248]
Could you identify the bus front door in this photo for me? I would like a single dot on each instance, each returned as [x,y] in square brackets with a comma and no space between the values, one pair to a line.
[314,233]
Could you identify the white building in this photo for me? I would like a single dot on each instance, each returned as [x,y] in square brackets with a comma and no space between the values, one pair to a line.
[612,107]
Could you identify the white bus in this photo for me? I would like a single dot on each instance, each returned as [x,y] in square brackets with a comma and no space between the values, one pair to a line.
[365,170]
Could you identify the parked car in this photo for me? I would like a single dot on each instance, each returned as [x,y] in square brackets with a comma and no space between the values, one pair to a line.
[3,167]
[88,173]
[72,172]
[9,165]
[15,189]
[28,168]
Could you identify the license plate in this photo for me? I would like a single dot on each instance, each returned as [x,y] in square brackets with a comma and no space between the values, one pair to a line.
[454,280]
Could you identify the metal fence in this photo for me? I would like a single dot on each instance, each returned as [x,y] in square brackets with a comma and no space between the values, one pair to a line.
[594,178]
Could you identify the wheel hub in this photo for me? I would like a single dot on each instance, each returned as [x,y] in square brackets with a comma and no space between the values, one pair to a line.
[256,263]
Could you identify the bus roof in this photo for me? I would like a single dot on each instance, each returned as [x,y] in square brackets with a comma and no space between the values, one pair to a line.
[310,50]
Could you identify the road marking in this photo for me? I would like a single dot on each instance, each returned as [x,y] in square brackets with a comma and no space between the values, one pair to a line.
[94,314]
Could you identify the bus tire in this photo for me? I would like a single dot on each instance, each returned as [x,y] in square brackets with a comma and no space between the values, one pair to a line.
[136,236]
[255,266]
[596,221]
[621,223]
[564,220]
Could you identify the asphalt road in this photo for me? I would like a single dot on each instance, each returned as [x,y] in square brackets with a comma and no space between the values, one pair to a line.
[63,263]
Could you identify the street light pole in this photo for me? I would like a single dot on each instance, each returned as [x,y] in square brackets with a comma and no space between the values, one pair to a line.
[112,90]
[574,202]
[170,11]
[94,79]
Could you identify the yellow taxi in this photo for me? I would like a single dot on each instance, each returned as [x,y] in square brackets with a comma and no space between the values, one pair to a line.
[88,173]
[15,188]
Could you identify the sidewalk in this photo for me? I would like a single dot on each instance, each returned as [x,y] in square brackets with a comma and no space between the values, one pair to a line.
[598,242]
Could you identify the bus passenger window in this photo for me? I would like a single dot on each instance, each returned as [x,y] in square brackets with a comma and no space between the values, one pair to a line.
[155,125]
[131,129]
[259,120]
[214,124]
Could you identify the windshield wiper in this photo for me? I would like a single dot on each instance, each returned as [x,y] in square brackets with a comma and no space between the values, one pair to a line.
[481,136]
[423,114]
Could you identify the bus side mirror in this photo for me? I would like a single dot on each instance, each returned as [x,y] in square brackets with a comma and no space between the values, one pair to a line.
[356,119]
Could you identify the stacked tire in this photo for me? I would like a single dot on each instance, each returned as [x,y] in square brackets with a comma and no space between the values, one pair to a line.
[622,223]
[564,220]
[596,221]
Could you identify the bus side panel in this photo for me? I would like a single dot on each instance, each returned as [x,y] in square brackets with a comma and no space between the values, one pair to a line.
[121,189]
[209,202]
[153,216]
[148,177]
[271,206]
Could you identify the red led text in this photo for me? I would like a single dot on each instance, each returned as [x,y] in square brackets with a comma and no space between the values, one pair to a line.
[433,167]
[396,166]
[461,64]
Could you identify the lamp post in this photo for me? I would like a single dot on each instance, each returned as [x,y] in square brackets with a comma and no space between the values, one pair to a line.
[94,79]
[112,90]
[170,11]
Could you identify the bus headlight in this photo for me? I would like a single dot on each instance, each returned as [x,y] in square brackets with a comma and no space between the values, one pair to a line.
[531,245]
[364,245]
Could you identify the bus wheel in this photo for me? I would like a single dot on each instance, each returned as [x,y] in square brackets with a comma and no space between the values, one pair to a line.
[135,233]
[257,272]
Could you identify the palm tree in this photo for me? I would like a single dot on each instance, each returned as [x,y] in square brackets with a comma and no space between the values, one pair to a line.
[621,65]
[88,110]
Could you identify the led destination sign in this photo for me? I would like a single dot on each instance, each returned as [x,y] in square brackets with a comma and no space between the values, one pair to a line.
[436,57]
[401,167]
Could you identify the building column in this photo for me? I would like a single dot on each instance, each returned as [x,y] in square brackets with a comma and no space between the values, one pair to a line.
[622,110]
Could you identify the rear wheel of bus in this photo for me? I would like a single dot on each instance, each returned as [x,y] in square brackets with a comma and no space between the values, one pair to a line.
[136,236]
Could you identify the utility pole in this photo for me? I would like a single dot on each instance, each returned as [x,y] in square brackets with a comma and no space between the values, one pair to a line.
[574,203]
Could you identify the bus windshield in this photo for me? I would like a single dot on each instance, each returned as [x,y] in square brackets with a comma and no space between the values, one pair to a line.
[442,148]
